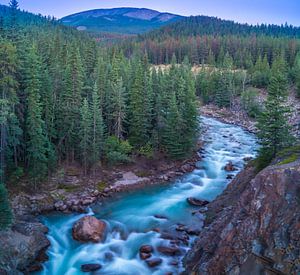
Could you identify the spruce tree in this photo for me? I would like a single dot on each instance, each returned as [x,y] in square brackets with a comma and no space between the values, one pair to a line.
[118,108]
[97,127]
[296,73]
[274,130]
[36,140]
[85,134]
[6,214]
[10,127]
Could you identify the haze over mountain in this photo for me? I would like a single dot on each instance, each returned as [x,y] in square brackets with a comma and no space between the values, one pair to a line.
[120,20]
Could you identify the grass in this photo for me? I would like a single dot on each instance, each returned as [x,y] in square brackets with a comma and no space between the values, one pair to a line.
[289,155]
[289,159]
[101,186]
[68,188]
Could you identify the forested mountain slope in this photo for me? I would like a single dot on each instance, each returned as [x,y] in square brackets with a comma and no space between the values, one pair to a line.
[206,40]
[119,20]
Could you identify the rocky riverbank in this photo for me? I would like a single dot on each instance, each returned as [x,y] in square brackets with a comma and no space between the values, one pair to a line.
[253,227]
[23,247]
[226,115]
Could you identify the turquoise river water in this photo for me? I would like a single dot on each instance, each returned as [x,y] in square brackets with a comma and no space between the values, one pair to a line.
[131,216]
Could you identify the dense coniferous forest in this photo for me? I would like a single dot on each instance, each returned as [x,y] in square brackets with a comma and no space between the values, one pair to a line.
[64,99]
[207,40]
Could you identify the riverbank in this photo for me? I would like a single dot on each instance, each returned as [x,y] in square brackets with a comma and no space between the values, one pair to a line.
[238,118]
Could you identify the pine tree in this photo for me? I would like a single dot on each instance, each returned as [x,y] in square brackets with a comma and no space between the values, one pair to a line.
[36,140]
[172,132]
[85,134]
[6,214]
[10,130]
[97,127]
[274,130]
[296,73]
[13,24]
[118,108]
[138,134]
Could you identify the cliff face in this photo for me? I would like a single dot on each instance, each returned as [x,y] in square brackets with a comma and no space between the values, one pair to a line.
[253,227]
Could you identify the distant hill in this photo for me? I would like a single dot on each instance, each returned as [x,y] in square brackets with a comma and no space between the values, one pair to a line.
[207,25]
[120,20]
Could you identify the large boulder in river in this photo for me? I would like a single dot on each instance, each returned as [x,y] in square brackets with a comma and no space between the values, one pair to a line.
[89,229]
[197,202]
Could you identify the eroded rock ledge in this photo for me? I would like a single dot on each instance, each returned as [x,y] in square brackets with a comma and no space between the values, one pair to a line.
[253,227]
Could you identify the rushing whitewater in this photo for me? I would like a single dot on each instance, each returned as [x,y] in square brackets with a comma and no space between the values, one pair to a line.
[133,216]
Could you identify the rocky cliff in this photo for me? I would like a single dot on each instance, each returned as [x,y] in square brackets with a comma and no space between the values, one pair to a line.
[254,226]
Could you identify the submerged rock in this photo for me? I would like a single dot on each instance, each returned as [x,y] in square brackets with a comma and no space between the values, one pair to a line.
[145,256]
[145,252]
[154,262]
[89,229]
[146,249]
[90,267]
[197,202]
[229,167]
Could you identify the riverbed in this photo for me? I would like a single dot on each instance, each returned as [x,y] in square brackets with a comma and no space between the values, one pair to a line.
[152,215]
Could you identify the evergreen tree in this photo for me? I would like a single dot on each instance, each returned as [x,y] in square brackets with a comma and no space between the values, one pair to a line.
[118,108]
[10,130]
[85,134]
[97,127]
[273,122]
[36,140]
[172,132]
[138,135]
[296,73]
[6,214]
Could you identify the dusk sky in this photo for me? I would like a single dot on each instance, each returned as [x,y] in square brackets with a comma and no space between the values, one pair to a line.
[250,11]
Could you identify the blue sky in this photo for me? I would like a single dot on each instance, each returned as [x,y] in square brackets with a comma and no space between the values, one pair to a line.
[250,11]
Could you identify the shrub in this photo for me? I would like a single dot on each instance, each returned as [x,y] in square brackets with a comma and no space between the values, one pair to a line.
[147,150]
[250,102]
[117,151]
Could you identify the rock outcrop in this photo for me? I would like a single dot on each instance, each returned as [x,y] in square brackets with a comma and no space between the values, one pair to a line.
[89,229]
[253,227]
[23,248]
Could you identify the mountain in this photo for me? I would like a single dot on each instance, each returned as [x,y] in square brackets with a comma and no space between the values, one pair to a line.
[120,20]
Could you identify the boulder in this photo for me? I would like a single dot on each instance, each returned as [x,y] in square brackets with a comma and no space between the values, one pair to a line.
[146,249]
[169,250]
[145,256]
[89,229]
[229,167]
[90,267]
[154,262]
[197,202]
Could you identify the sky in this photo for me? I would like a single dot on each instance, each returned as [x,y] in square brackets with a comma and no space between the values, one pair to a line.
[243,11]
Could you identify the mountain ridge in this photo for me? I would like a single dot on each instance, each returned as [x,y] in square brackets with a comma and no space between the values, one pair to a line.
[125,20]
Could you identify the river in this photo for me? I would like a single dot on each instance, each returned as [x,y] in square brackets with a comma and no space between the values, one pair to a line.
[133,216]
